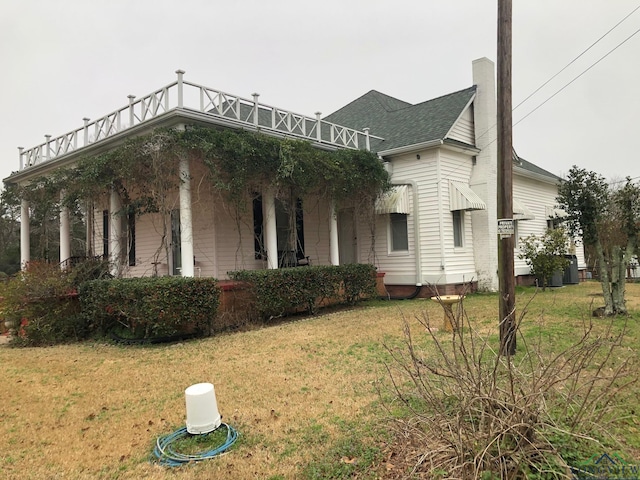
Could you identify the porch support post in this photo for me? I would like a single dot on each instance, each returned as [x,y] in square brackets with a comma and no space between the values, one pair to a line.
[270,229]
[186,222]
[25,245]
[334,250]
[65,234]
[115,232]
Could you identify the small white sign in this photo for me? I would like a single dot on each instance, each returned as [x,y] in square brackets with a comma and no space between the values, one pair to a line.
[505,227]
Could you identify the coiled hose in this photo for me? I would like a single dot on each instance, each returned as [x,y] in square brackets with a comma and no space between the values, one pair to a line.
[167,456]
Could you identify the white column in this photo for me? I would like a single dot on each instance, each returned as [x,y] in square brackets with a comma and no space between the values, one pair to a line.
[270,229]
[334,250]
[65,234]
[25,245]
[115,232]
[186,225]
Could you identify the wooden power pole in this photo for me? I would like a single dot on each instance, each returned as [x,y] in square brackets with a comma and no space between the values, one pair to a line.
[506,272]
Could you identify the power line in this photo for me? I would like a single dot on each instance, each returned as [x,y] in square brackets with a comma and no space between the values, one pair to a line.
[583,72]
[564,68]
[574,60]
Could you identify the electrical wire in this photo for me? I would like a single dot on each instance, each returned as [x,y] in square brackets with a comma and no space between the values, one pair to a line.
[168,456]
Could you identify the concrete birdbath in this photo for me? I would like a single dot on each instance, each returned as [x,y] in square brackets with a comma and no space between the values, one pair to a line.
[447,302]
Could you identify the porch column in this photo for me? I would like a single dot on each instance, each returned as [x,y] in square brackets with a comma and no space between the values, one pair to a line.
[25,245]
[186,222]
[334,250]
[65,234]
[115,232]
[270,229]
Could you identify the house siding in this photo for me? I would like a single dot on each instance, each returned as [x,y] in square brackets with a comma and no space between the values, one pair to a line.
[464,129]
[459,261]
[536,196]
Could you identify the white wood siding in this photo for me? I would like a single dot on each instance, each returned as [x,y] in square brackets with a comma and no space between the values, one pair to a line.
[459,261]
[536,196]
[315,215]
[464,129]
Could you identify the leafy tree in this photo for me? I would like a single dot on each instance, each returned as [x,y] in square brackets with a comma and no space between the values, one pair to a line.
[545,254]
[609,222]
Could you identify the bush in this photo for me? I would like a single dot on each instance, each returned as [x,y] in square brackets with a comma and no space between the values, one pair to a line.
[145,308]
[480,414]
[42,300]
[288,290]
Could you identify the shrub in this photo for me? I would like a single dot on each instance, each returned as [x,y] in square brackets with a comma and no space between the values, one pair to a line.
[42,300]
[288,290]
[480,414]
[545,254]
[144,308]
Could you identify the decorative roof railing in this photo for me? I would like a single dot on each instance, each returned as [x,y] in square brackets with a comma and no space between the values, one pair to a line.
[219,107]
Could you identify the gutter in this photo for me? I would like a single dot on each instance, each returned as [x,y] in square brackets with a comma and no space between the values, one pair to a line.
[409,148]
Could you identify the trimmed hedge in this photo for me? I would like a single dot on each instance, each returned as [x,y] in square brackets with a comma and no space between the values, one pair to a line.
[144,308]
[289,290]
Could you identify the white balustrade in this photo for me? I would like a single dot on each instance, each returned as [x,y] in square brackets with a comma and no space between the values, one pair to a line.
[187,96]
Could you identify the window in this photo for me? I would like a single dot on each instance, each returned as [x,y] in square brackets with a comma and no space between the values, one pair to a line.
[516,237]
[105,233]
[131,237]
[399,233]
[176,245]
[458,228]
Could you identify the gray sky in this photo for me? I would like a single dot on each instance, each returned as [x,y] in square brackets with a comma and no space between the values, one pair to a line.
[63,60]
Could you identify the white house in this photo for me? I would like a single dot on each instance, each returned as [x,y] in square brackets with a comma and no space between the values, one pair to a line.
[437,227]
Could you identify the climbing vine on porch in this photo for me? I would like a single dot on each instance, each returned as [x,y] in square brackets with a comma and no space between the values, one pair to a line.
[144,172]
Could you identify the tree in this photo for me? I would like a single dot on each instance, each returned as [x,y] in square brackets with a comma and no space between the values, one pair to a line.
[609,221]
[545,254]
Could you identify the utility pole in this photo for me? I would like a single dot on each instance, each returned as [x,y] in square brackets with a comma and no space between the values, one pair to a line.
[506,272]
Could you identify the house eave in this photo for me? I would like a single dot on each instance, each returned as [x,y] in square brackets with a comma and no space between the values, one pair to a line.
[536,176]
[411,148]
[172,118]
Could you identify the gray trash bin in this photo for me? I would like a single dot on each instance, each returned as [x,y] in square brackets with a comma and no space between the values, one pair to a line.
[570,275]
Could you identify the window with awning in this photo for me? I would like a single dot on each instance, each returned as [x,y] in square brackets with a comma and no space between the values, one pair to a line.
[395,200]
[521,211]
[553,212]
[461,197]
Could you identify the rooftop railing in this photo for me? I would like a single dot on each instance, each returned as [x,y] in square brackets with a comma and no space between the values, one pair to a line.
[218,106]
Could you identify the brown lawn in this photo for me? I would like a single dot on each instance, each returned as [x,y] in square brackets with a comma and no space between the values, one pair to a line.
[94,410]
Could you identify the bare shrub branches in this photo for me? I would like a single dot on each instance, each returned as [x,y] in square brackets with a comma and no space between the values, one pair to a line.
[476,410]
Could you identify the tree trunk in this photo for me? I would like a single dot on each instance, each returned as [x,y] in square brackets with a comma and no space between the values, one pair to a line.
[621,262]
[604,279]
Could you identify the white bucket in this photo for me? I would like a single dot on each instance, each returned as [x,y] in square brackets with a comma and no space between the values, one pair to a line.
[202,409]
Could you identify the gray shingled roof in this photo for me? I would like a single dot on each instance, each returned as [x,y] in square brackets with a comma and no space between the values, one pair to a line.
[401,123]
[527,165]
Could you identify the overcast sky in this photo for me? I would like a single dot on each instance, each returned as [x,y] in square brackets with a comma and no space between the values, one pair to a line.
[63,60]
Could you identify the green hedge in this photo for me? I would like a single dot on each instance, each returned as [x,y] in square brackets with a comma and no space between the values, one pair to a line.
[288,290]
[144,308]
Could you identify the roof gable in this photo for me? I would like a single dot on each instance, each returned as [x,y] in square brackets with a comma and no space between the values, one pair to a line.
[401,123]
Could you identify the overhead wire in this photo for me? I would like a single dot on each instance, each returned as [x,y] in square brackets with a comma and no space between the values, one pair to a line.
[567,66]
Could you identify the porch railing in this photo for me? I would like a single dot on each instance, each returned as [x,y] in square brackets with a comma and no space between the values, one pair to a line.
[219,106]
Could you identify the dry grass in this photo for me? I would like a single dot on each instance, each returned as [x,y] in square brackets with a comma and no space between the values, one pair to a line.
[95,410]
